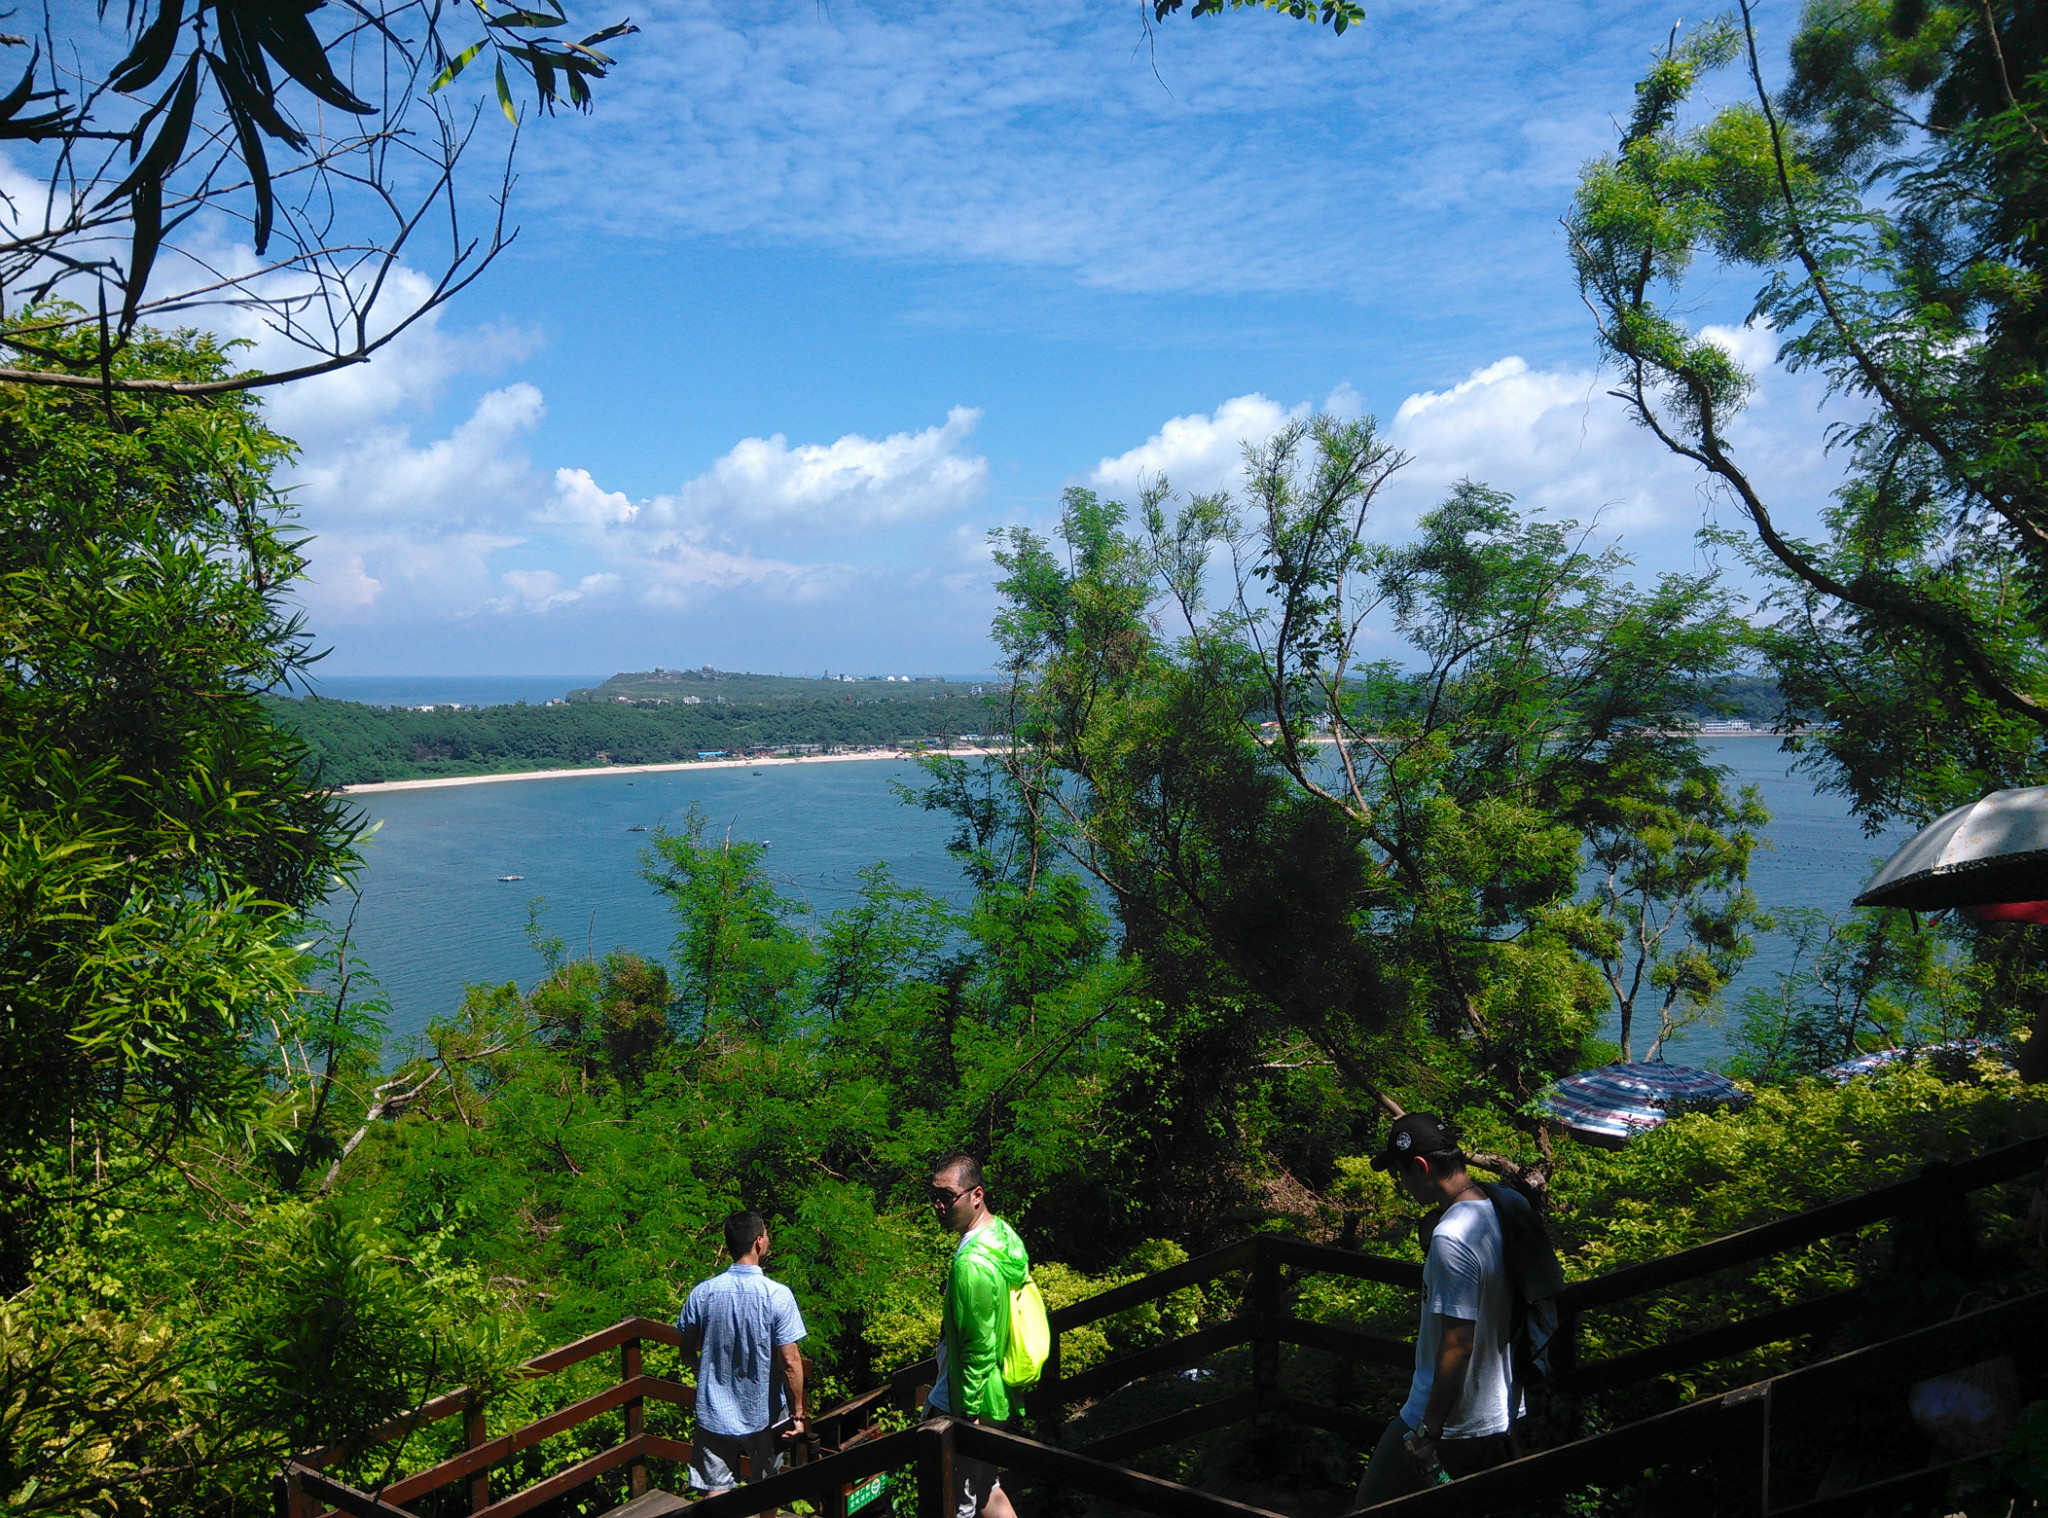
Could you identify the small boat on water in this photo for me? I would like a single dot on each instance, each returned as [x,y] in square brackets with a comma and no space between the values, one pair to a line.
[638,827]
[511,877]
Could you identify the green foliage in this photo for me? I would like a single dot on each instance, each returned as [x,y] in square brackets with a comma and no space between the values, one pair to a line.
[1379,862]
[355,744]
[88,1404]
[1873,980]
[157,839]
[336,1338]
[1671,914]
[1335,14]
[1890,199]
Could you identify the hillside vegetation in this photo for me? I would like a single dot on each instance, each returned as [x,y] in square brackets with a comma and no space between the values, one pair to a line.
[714,685]
[354,744]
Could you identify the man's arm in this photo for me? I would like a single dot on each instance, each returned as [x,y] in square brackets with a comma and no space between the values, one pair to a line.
[793,1376]
[693,1341]
[978,1356]
[1447,1389]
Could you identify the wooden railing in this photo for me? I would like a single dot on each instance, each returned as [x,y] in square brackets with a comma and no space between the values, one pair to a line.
[307,1489]
[851,1449]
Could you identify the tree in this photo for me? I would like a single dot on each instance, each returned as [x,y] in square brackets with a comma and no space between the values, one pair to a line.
[1891,200]
[1377,860]
[1672,912]
[276,157]
[1857,983]
[159,837]
[1917,310]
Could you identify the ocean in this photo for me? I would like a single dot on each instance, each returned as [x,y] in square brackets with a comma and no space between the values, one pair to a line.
[444,690]
[436,915]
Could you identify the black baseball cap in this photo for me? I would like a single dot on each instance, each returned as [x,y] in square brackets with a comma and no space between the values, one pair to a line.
[1416,1133]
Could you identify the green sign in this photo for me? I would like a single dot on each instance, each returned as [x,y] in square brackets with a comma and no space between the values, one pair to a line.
[860,1496]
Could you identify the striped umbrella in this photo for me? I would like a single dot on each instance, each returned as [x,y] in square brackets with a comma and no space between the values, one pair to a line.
[1611,1105]
[1879,1059]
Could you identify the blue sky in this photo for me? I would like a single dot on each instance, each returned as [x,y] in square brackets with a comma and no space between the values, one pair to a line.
[819,295]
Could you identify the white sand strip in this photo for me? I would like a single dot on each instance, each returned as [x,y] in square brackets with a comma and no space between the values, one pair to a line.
[862,755]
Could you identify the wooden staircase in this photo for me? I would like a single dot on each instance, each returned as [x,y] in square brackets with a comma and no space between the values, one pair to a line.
[1737,1442]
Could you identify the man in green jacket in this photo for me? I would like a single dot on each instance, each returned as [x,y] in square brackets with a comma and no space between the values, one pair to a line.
[988,1264]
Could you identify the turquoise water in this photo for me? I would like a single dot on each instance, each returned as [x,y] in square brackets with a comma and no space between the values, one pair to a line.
[435,916]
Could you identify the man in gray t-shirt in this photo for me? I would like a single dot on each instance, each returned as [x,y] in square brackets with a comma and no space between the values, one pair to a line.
[744,1330]
[1462,1402]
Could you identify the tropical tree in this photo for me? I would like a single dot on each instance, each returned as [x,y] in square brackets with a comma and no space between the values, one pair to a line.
[1890,199]
[1671,914]
[159,836]
[274,157]
[1378,861]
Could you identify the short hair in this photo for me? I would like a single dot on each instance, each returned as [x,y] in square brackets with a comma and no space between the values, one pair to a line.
[1448,1160]
[741,1229]
[967,1167]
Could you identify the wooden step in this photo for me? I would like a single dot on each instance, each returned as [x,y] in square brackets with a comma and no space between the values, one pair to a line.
[654,1504]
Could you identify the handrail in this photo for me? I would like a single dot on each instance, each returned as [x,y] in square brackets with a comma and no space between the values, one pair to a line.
[1259,1322]
[1326,1259]
[462,1397]
[487,1454]
[2001,1328]
[1806,1227]
[1161,1283]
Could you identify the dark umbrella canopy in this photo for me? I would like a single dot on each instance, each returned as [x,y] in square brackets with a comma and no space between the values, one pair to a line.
[1611,1105]
[1993,850]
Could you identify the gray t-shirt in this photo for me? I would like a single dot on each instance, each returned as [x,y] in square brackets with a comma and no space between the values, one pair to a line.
[1465,1276]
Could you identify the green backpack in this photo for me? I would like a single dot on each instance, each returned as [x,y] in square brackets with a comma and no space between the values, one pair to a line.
[1029,1340]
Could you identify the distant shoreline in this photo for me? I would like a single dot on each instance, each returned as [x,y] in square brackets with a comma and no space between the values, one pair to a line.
[862,755]
[858,756]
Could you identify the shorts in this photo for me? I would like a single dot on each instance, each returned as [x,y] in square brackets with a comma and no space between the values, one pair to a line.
[1392,1471]
[973,1481]
[715,1458]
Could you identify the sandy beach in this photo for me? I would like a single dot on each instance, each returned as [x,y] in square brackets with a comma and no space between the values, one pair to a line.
[863,756]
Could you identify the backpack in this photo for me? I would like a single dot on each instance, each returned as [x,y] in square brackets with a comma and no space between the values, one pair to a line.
[1535,1281]
[1029,1340]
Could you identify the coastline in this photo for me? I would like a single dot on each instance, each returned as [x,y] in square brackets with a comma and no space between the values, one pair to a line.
[858,756]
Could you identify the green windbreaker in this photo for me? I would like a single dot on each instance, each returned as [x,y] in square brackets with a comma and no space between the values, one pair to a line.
[986,1268]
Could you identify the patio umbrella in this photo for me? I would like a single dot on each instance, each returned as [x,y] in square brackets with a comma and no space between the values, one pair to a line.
[1611,1105]
[1993,850]
[1879,1059]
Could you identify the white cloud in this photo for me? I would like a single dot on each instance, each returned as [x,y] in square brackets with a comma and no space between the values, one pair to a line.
[464,524]
[540,590]
[1238,153]
[1197,454]
[403,529]
[846,487]
[1553,438]
[1564,447]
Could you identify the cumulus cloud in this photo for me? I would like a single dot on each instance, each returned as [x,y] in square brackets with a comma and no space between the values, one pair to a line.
[1554,438]
[850,486]
[1563,446]
[541,590]
[465,525]
[1197,453]
[401,527]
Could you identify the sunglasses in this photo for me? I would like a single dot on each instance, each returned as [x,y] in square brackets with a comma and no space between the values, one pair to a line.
[941,1197]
